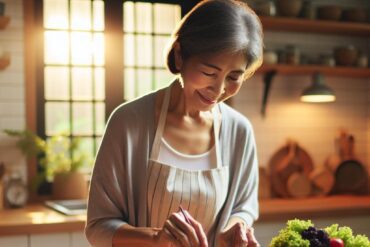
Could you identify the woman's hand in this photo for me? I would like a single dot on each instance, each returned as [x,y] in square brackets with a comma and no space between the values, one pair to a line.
[238,236]
[178,232]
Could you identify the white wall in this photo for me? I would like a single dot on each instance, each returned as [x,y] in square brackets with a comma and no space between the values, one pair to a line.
[12,95]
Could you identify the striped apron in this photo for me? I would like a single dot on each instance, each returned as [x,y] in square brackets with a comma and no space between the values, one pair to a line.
[201,192]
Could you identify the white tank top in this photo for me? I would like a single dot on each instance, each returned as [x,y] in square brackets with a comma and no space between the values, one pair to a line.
[201,192]
[169,155]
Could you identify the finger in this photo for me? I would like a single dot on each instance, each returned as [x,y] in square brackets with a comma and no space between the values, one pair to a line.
[169,236]
[252,241]
[179,220]
[202,237]
[177,233]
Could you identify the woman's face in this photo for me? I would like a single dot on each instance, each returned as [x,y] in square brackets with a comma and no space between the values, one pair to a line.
[212,78]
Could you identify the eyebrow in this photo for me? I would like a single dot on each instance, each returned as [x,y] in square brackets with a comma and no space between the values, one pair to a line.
[219,69]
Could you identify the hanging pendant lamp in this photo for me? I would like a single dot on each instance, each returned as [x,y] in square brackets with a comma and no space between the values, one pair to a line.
[318,92]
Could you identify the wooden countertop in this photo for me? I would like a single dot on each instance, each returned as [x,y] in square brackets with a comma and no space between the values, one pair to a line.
[34,219]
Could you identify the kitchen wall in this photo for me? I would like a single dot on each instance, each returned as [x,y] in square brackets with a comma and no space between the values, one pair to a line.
[12,84]
[314,126]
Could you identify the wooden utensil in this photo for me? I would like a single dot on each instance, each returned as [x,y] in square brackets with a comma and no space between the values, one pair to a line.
[289,159]
[322,179]
[298,185]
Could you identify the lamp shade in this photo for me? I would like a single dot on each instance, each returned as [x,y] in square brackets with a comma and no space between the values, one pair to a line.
[318,92]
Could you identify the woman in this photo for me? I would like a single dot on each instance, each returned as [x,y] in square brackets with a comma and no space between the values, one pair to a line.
[182,147]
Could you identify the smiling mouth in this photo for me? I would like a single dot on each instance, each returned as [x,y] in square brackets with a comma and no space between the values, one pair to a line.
[206,100]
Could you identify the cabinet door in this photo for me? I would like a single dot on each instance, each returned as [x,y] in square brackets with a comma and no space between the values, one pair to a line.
[78,239]
[14,241]
[47,240]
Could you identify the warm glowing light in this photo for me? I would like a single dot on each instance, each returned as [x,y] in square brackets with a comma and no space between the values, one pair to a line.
[81,48]
[318,98]
[56,47]
[56,14]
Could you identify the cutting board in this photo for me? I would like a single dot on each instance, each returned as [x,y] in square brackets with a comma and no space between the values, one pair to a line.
[286,161]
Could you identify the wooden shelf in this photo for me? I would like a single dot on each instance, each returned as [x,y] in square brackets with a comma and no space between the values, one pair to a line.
[4,61]
[283,209]
[4,21]
[285,69]
[315,26]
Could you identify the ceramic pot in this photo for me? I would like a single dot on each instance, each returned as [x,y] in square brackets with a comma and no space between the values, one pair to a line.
[346,55]
[70,185]
[329,12]
[289,8]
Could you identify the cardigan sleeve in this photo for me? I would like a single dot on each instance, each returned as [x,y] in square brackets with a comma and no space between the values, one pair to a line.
[107,202]
[246,201]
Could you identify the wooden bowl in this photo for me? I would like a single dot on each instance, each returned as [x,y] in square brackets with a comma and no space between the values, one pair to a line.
[346,55]
[289,8]
[355,15]
[329,12]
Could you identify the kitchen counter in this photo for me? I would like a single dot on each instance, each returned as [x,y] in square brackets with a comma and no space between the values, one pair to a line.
[35,219]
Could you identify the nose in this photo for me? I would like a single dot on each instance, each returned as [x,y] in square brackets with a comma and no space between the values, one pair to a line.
[218,87]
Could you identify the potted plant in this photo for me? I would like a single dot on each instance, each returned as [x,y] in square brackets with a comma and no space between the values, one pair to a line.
[60,161]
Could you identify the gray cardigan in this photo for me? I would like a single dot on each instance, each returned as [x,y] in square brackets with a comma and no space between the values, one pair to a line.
[118,184]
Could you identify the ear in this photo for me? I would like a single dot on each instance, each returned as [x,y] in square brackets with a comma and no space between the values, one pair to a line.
[177,55]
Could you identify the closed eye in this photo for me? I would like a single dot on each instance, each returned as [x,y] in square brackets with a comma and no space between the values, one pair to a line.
[208,74]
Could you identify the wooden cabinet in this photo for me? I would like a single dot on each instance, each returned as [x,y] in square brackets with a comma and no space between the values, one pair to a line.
[14,241]
[64,239]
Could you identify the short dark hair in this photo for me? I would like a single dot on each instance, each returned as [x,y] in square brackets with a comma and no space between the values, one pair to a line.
[219,26]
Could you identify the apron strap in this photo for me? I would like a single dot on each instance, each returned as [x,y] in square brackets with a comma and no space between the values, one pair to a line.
[161,123]
[216,130]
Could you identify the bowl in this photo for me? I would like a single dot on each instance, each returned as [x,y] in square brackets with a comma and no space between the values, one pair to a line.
[289,8]
[329,12]
[355,15]
[345,55]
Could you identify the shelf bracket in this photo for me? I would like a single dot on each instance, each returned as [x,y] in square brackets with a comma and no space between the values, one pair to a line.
[267,80]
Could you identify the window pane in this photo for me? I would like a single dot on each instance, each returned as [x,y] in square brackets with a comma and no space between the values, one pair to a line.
[166,17]
[99,84]
[98,49]
[160,43]
[56,83]
[144,81]
[81,83]
[129,50]
[82,119]
[56,14]
[143,17]
[128,17]
[98,15]
[144,50]
[129,84]
[56,47]
[57,118]
[99,118]
[81,14]
[86,148]
[81,48]
[163,78]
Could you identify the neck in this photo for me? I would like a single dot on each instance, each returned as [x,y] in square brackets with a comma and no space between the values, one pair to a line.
[180,105]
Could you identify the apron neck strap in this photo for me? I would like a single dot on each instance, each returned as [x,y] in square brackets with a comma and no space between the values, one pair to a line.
[162,121]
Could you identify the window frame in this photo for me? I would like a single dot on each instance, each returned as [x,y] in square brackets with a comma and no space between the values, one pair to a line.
[34,64]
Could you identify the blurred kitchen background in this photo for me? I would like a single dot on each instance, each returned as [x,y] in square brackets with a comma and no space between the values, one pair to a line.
[66,64]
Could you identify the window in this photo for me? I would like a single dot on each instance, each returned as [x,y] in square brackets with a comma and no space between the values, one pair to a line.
[147,30]
[76,80]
